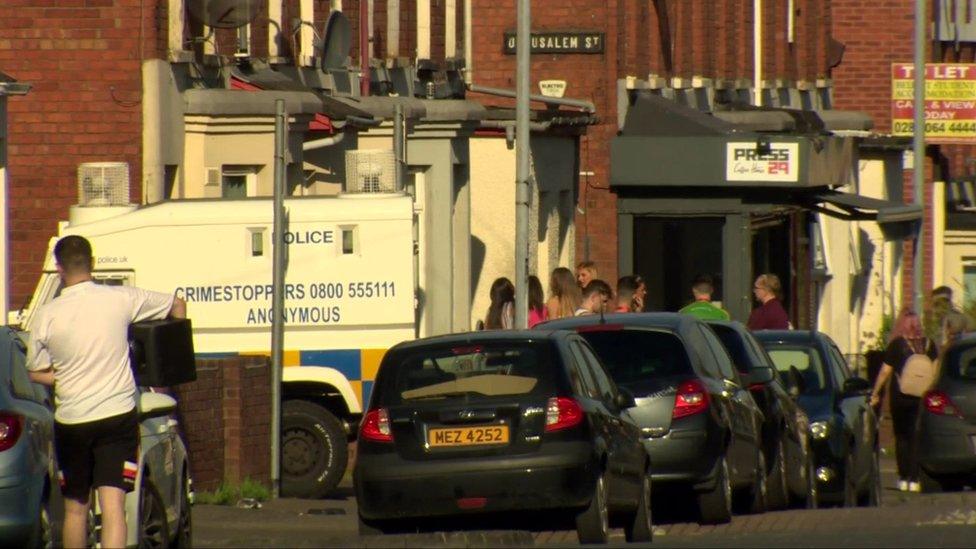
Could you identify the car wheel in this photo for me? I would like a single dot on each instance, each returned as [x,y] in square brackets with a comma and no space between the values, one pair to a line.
[872,494]
[850,484]
[813,490]
[43,535]
[369,527]
[593,522]
[640,528]
[760,487]
[941,483]
[313,450]
[184,533]
[715,505]
[153,530]
[777,491]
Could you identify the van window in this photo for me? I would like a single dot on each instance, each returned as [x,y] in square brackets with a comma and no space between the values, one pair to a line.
[635,358]
[474,372]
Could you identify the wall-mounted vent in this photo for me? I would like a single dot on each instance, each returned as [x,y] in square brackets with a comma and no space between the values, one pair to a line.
[103,184]
[370,171]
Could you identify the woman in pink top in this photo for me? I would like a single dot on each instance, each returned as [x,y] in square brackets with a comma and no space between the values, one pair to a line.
[537,306]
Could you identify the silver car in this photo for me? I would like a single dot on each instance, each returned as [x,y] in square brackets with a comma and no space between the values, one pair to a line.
[157,511]
[28,494]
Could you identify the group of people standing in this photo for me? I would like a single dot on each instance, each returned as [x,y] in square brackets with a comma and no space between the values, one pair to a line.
[569,295]
[585,293]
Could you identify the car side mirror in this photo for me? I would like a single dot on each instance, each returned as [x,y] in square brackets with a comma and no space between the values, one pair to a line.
[625,399]
[762,374]
[155,405]
[796,383]
[856,386]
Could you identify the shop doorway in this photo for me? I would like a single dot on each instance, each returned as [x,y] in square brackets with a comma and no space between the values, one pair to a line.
[772,252]
[669,253]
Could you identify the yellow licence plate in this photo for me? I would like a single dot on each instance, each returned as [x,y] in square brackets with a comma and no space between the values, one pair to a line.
[468,436]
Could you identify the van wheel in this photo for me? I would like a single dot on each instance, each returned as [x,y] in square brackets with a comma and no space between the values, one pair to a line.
[640,527]
[593,522]
[715,505]
[777,491]
[313,450]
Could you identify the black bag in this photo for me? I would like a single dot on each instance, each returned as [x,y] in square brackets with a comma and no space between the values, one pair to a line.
[161,352]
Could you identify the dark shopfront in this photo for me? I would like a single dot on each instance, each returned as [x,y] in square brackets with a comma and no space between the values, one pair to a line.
[733,195]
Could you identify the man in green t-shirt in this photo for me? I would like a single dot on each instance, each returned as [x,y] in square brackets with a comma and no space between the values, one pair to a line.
[702,306]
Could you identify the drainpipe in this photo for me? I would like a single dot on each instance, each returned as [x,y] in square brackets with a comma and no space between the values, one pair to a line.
[364,17]
[757,53]
[918,149]
[324,142]
[501,92]
[468,61]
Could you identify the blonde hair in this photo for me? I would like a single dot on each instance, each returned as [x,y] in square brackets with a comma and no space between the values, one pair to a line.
[771,283]
[563,287]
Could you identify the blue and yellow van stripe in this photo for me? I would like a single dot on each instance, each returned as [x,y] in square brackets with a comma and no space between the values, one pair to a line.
[358,365]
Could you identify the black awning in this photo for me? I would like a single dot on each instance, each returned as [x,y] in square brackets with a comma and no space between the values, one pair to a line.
[860,207]
[666,144]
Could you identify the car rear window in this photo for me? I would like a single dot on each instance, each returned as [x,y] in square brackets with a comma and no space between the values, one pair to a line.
[636,356]
[805,359]
[470,372]
[960,362]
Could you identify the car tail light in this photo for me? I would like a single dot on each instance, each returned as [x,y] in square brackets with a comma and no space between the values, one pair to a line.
[939,403]
[691,399]
[11,426]
[562,413]
[376,426]
[757,387]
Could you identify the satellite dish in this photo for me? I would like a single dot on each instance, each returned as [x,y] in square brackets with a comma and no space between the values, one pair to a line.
[223,14]
[338,38]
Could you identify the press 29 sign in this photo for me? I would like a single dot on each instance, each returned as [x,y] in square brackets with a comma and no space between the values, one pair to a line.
[950,101]
[745,162]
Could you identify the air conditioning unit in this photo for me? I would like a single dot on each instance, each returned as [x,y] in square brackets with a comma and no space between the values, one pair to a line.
[370,171]
[103,184]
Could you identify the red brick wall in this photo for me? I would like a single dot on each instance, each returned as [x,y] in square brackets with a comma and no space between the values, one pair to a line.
[863,82]
[84,64]
[710,39]
[225,417]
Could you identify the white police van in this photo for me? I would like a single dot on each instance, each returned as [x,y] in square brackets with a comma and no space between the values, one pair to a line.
[349,296]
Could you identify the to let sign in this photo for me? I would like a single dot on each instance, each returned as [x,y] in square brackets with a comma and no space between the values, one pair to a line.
[559,42]
[950,101]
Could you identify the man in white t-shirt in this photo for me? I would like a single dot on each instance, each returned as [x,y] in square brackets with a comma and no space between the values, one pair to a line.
[79,345]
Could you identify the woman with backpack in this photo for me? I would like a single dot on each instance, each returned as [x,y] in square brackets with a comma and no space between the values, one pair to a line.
[909,356]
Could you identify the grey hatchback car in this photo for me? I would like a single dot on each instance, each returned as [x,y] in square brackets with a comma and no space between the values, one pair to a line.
[947,429]
[27,494]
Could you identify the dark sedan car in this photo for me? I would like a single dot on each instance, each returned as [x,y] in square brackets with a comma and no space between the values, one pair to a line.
[784,433]
[843,426]
[500,421]
[700,425]
[947,436]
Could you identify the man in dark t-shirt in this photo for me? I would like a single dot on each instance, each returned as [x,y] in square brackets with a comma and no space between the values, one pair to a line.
[770,314]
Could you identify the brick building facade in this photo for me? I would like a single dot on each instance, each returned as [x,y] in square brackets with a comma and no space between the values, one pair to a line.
[84,60]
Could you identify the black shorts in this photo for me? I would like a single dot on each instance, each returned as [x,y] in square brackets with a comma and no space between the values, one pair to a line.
[97,453]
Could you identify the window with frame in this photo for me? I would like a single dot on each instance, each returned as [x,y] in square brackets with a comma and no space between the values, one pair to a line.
[238,181]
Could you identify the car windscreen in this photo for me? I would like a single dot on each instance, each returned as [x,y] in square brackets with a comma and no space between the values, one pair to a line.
[474,372]
[736,346]
[960,362]
[805,359]
[638,357]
